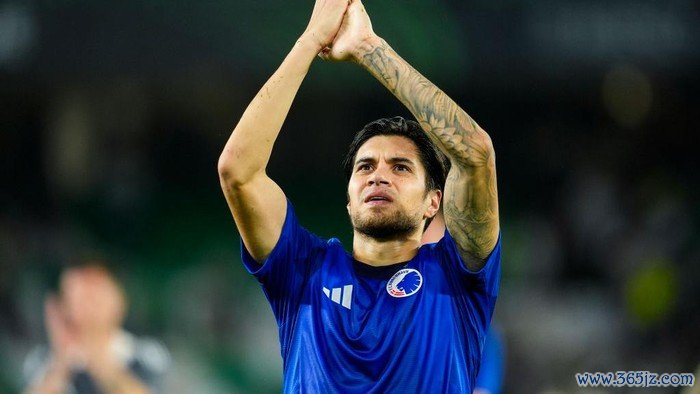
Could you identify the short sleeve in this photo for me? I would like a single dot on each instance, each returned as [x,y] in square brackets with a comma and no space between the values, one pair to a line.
[487,279]
[285,271]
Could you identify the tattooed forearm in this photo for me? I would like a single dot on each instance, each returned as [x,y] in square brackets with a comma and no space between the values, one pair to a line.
[471,212]
[470,198]
[454,131]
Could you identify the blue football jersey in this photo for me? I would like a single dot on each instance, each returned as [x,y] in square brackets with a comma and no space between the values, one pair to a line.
[348,327]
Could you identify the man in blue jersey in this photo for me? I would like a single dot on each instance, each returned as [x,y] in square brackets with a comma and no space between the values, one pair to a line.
[392,316]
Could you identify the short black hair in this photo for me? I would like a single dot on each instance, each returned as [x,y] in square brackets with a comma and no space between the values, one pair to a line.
[435,162]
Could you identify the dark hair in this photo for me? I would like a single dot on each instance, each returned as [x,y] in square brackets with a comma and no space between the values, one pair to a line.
[435,162]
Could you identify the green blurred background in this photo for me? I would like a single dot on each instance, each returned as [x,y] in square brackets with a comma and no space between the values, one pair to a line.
[113,116]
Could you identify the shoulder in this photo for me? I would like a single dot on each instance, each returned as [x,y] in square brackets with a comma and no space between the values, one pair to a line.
[153,354]
[449,249]
[149,353]
[35,362]
[295,238]
[331,251]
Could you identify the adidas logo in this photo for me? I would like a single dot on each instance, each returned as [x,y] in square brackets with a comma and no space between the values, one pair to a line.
[338,293]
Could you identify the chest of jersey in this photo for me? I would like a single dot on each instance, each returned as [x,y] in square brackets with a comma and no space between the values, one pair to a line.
[381,325]
[369,308]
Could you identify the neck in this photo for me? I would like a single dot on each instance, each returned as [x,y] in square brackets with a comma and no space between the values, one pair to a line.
[378,252]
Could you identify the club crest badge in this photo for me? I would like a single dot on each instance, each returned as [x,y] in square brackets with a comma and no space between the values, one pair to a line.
[404,283]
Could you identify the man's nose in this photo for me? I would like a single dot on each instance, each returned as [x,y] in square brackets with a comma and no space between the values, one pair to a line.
[378,177]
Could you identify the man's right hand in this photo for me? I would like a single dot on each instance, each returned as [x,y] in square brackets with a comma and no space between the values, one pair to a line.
[325,21]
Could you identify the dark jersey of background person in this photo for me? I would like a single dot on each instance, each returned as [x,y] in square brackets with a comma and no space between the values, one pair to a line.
[146,359]
[349,327]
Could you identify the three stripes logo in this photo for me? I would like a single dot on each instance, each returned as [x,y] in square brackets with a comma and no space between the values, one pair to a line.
[340,295]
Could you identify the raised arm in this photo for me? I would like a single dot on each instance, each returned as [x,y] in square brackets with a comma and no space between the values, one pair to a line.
[470,198]
[257,203]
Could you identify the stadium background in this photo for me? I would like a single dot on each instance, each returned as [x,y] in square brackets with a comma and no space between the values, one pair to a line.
[113,116]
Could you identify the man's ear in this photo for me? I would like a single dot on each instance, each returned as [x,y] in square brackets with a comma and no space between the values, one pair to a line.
[435,197]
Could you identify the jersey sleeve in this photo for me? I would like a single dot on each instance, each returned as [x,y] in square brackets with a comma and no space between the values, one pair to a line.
[285,271]
[486,279]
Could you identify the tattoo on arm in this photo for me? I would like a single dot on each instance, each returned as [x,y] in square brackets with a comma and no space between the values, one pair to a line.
[471,213]
[455,131]
[470,203]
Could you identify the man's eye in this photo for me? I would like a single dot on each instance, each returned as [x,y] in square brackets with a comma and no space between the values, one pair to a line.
[400,167]
[364,167]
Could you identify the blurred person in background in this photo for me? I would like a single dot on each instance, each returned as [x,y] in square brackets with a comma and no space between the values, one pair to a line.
[370,321]
[89,351]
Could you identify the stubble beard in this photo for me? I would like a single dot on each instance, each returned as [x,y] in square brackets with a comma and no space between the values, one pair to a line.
[385,226]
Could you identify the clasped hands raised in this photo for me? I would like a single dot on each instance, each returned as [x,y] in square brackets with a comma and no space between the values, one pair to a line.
[340,29]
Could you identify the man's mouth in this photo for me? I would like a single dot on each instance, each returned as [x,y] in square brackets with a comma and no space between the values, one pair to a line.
[378,198]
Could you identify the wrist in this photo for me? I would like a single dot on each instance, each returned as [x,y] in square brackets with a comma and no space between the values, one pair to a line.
[309,40]
[367,45]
